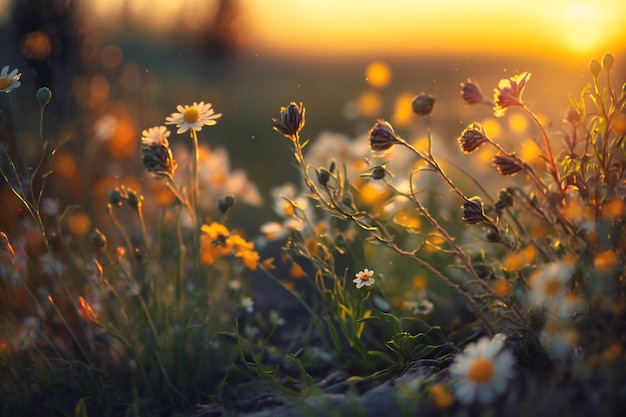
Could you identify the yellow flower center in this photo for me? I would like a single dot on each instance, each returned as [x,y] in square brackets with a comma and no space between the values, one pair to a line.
[191,115]
[552,287]
[481,371]
[5,83]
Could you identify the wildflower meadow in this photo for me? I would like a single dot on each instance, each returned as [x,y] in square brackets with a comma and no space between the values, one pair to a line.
[389,278]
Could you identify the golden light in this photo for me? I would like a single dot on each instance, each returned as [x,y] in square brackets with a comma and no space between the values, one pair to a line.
[584,27]
[372,27]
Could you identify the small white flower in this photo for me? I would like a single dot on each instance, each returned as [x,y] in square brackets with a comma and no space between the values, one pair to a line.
[9,80]
[247,304]
[482,370]
[550,284]
[364,278]
[193,117]
[276,319]
[155,136]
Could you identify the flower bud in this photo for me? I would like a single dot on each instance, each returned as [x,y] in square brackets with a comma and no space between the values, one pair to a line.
[116,198]
[43,96]
[158,160]
[379,172]
[472,211]
[222,206]
[508,164]
[323,176]
[423,104]
[382,136]
[230,200]
[573,117]
[133,200]
[607,61]
[291,120]
[595,67]
[472,94]
[472,138]
[98,239]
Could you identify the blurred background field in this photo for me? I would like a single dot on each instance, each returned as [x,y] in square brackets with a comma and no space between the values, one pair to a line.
[119,67]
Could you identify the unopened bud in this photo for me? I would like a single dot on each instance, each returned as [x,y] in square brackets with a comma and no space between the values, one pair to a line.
[323,176]
[379,172]
[291,120]
[98,239]
[382,136]
[508,164]
[607,61]
[423,104]
[115,197]
[472,211]
[133,200]
[43,96]
[595,67]
[472,138]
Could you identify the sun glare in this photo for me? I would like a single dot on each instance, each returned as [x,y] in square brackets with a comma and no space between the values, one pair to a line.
[584,27]
[366,27]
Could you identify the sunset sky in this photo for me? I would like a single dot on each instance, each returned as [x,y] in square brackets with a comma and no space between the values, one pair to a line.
[533,27]
[361,27]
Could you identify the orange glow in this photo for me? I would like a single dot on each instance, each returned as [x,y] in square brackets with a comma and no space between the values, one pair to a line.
[378,74]
[363,27]
[558,28]
[79,223]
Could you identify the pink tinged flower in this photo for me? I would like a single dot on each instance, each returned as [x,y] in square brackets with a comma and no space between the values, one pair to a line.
[509,92]
[193,117]
[364,278]
[9,80]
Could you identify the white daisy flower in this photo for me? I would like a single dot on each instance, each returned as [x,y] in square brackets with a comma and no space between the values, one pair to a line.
[9,80]
[550,284]
[364,278]
[193,117]
[155,136]
[482,371]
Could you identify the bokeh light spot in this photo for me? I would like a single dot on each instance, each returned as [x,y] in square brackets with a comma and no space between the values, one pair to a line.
[36,45]
[402,111]
[64,165]
[111,56]
[79,223]
[378,74]
[517,123]
[370,103]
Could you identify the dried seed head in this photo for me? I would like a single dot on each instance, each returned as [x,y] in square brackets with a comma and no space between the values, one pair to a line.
[508,164]
[472,211]
[158,160]
[472,138]
[595,67]
[291,120]
[423,104]
[382,136]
